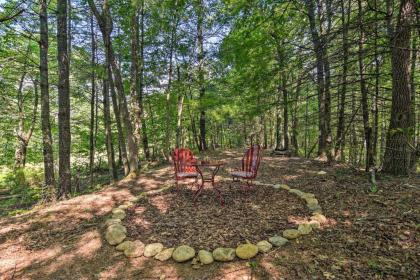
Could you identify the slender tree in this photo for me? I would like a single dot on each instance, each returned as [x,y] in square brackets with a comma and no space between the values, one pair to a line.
[47,150]
[64,135]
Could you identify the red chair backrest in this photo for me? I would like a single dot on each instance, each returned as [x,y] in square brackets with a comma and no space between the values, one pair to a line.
[179,157]
[251,160]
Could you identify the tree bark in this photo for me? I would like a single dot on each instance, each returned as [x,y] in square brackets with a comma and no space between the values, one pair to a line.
[141,86]
[49,178]
[180,107]
[64,135]
[200,58]
[285,115]
[105,24]
[369,163]
[108,134]
[398,153]
[339,148]
[117,114]
[134,77]
[92,103]
[319,53]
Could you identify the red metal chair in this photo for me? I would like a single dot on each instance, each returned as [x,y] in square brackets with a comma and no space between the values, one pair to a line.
[250,163]
[183,171]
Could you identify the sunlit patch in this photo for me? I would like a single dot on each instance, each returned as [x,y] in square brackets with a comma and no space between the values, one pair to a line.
[112,272]
[89,243]
[297,220]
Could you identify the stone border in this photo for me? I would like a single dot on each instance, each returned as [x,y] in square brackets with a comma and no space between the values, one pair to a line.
[115,234]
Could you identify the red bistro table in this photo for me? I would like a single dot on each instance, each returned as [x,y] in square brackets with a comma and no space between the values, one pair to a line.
[214,166]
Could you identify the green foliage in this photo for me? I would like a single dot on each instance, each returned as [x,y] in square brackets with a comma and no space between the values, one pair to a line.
[23,187]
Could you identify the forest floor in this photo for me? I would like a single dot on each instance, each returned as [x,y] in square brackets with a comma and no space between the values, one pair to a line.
[368,235]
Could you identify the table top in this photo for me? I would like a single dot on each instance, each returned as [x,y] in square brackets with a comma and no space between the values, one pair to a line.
[205,163]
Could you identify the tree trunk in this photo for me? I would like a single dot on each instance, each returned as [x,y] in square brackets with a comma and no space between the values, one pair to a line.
[339,148]
[285,115]
[141,86]
[108,134]
[400,132]
[200,58]
[92,103]
[180,107]
[117,114]
[64,135]
[167,144]
[47,150]
[134,77]
[318,49]
[105,24]
[369,163]
[295,119]
[413,99]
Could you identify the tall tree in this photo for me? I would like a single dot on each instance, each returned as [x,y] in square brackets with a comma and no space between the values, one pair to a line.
[141,85]
[47,150]
[105,24]
[92,101]
[400,133]
[200,58]
[323,99]
[363,89]
[108,133]
[64,135]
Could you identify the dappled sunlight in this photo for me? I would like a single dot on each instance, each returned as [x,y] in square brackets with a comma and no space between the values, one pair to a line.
[113,271]
[89,243]
[297,220]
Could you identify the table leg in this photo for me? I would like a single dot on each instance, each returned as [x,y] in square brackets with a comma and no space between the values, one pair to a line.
[200,187]
[217,191]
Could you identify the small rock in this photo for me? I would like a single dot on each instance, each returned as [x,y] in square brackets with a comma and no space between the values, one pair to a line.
[321,172]
[308,195]
[224,254]
[124,245]
[115,234]
[136,249]
[314,206]
[195,260]
[320,218]
[110,222]
[118,214]
[305,229]
[264,246]
[315,224]
[284,187]
[183,253]
[311,200]
[205,257]
[246,251]
[165,255]
[296,192]
[153,249]
[123,207]
[278,241]
[291,233]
